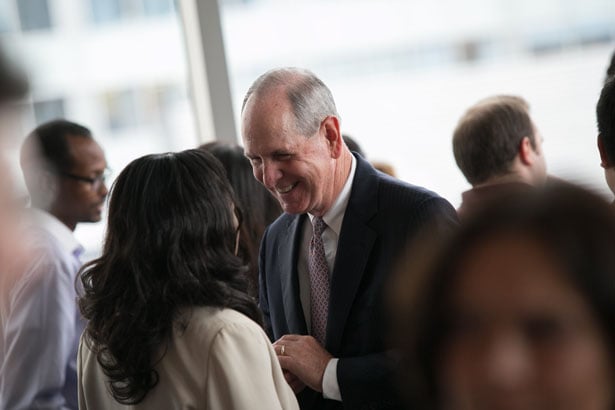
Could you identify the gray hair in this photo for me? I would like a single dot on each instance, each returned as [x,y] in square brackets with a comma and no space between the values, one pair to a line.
[309,97]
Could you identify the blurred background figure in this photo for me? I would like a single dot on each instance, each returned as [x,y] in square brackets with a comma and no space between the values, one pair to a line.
[498,149]
[170,325]
[605,113]
[64,169]
[258,207]
[353,145]
[381,166]
[610,71]
[517,310]
[385,167]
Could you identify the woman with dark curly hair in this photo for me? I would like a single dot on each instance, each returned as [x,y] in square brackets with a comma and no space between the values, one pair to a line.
[259,207]
[170,325]
[517,311]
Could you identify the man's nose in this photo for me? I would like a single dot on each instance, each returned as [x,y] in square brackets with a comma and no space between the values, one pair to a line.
[271,174]
[103,190]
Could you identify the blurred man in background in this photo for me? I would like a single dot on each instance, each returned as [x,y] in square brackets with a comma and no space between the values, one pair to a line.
[64,170]
[498,149]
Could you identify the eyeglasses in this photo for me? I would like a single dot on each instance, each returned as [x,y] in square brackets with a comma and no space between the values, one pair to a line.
[95,183]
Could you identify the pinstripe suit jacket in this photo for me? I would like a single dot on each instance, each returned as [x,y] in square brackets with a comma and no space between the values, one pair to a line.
[382,214]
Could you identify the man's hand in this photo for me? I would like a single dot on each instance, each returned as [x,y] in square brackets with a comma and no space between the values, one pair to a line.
[303,357]
[294,382]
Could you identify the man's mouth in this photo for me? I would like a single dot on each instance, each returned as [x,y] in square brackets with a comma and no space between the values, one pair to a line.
[285,189]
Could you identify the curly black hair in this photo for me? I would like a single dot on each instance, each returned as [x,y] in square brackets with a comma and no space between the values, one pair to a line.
[170,244]
[261,208]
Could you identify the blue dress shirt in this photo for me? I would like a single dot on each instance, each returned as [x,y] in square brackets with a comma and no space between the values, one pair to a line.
[40,324]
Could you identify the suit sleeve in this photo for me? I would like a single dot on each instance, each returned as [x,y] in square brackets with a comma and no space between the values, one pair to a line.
[439,216]
[263,300]
[369,381]
[243,372]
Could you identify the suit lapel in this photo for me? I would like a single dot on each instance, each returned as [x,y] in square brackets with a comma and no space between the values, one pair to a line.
[289,277]
[354,247]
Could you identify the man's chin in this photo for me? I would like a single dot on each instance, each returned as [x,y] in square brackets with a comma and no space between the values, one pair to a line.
[95,217]
[293,209]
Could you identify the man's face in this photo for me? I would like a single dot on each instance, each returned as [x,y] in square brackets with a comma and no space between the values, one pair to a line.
[79,200]
[297,169]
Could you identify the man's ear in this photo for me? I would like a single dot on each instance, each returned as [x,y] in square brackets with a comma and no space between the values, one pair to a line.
[331,126]
[45,189]
[603,157]
[526,151]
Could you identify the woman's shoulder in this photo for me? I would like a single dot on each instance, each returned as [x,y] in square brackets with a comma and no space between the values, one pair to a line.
[209,321]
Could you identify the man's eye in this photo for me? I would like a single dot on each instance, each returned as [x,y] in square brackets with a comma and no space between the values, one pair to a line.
[283,157]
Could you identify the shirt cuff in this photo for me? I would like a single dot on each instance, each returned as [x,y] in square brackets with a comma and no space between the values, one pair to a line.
[330,386]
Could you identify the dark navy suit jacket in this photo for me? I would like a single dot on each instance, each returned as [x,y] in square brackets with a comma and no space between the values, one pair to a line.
[382,214]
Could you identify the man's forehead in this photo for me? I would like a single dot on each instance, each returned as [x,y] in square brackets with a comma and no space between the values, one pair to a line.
[85,151]
[268,125]
[268,144]
[268,104]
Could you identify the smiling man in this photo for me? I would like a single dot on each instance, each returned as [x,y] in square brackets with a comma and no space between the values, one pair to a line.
[324,262]
[64,170]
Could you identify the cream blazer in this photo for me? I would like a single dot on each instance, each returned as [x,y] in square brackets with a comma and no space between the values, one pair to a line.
[223,360]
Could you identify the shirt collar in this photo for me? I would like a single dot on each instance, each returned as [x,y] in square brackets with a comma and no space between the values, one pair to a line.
[57,229]
[334,216]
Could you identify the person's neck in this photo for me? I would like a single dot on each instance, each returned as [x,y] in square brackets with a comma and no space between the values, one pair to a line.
[70,224]
[340,175]
[511,178]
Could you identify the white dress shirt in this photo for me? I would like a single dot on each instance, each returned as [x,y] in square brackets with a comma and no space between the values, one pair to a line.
[39,322]
[330,237]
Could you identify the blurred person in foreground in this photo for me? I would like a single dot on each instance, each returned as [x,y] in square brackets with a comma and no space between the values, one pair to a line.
[170,325]
[605,113]
[64,170]
[324,261]
[13,87]
[498,149]
[259,207]
[516,311]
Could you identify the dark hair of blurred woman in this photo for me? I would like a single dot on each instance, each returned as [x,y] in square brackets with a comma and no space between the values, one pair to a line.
[170,244]
[444,332]
[259,207]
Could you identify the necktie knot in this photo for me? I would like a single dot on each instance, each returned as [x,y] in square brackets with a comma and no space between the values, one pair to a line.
[319,225]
